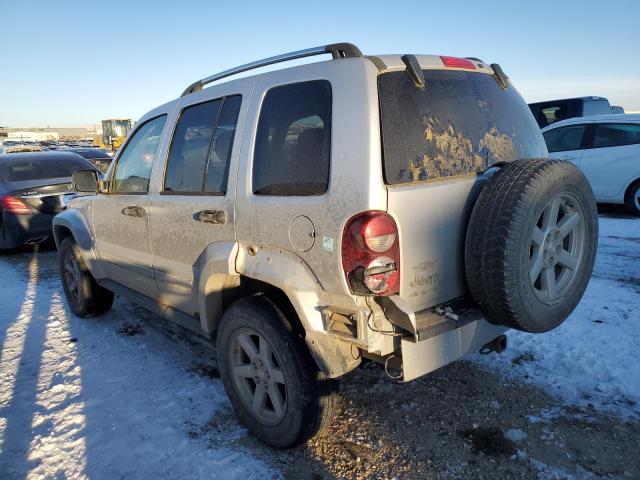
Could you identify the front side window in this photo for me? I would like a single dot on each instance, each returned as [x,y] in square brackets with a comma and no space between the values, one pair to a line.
[133,170]
[293,142]
[200,151]
[564,138]
[616,134]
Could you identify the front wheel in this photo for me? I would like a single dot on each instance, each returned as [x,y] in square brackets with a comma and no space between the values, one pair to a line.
[84,296]
[273,384]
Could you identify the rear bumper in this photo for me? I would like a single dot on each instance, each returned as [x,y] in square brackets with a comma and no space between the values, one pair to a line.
[18,230]
[438,335]
[422,357]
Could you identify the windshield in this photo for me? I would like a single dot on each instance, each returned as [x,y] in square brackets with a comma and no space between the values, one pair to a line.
[459,123]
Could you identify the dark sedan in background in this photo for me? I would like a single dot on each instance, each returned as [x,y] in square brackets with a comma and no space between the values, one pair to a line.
[33,189]
[98,157]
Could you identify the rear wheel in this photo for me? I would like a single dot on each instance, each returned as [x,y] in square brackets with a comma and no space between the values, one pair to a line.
[84,296]
[633,198]
[273,384]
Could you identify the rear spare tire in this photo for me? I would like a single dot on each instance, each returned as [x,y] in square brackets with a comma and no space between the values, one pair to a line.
[531,244]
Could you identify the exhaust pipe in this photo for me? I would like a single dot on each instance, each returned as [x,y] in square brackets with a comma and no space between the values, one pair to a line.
[36,240]
[498,345]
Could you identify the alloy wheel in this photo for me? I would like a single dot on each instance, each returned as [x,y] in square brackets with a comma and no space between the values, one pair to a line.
[258,376]
[556,247]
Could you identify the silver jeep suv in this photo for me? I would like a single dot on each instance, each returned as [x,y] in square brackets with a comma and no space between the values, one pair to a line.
[397,208]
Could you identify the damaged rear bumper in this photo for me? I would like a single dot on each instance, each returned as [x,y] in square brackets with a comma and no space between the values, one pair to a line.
[420,357]
[440,335]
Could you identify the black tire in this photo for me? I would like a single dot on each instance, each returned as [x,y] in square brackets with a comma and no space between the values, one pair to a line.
[633,198]
[504,244]
[86,298]
[310,399]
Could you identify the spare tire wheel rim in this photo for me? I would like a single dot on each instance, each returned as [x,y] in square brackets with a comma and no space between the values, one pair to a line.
[258,376]
[556,247]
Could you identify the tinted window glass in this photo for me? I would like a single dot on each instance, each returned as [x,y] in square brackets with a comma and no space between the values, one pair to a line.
[91,153]
[21,169]
[294,140]
[616,134]
[133,169]
[565,138]
[190,148]
[596,107]
[460,123]
[220,153]
[547,113]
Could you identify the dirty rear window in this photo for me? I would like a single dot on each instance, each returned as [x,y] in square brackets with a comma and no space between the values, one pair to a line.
[459,123]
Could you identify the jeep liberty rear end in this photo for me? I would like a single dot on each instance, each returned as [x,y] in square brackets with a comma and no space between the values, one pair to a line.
[396,208]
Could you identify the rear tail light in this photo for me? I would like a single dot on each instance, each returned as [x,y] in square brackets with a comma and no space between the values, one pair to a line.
[455,62]
[371,254]
[13,205]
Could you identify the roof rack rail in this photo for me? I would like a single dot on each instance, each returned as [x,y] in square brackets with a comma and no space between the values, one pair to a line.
[337,50]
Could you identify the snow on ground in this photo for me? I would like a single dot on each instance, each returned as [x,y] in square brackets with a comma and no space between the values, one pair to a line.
[592,357]
[77,400]
[113,397]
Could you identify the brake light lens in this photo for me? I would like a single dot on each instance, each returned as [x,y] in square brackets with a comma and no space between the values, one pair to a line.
[13,205]
[371,254]
[455,62]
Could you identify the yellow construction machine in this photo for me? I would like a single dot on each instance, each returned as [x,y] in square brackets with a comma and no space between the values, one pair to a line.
[114,131]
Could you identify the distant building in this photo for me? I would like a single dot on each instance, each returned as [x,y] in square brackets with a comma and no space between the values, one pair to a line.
[26,136]
[49,133]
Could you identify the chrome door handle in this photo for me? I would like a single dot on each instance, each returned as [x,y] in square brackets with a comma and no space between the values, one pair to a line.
[212,216]
[133,211]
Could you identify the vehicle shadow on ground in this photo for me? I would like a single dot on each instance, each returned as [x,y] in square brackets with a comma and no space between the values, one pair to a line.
[22,346]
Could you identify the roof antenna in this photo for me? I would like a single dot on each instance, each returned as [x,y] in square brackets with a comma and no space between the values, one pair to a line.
[413,67]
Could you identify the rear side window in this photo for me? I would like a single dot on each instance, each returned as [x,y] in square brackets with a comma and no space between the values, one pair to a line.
[293,142]
[21,169]
[220,153]
[616,134]
[190,148]
[133,170]
[459,123]
[201,147]
[565,138]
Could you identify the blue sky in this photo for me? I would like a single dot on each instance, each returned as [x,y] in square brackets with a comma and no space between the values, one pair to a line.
[72,63]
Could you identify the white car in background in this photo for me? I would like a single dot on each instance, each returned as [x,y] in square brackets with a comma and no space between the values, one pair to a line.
[607,149]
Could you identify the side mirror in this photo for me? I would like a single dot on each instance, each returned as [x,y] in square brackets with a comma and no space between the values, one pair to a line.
[85,181]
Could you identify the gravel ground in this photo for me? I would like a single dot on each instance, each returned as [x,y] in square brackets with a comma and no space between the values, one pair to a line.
[463,421]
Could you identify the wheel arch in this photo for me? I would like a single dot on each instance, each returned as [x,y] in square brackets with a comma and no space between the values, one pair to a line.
[632,184]
[71,223]
[230,271]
